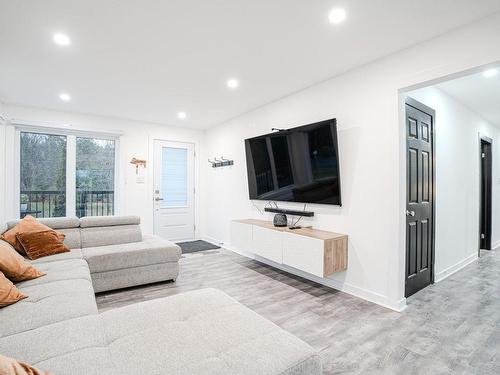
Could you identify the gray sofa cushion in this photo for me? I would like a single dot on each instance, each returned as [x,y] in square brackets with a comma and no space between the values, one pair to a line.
[72,239]
[127,277]
[73,254]
[53,222]
[55,340]
[107,221]
[47,304]
[70,269]
[77,347]
[202,332]
[152,250]
[114,235]
[89,361]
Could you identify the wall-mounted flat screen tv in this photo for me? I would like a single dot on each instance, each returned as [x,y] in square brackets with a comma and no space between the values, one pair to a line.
[295,165]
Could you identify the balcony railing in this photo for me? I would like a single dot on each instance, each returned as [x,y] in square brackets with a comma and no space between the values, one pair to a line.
[43,203]
[95,203]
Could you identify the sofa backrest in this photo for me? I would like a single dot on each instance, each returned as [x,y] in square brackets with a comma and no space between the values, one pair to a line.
[94,231]
[70,226]
[109,230]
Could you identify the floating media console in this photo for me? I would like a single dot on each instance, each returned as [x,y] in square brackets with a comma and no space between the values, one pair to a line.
[289,212]
[314,251]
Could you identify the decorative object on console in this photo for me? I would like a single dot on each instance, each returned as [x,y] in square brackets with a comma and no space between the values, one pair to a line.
[216,163]
[280,220]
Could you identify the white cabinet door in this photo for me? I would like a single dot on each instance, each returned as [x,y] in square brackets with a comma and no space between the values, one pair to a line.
[267,243]
[241,236]
[303,253]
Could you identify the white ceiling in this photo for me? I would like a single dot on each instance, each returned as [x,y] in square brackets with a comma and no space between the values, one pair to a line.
[478,93]
[148,60]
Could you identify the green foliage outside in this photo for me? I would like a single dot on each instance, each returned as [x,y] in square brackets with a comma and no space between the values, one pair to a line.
[43,169]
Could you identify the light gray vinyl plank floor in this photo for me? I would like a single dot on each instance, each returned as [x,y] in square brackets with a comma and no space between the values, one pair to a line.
[452,327]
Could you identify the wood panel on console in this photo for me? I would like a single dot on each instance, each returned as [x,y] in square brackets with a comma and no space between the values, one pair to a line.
[335,256]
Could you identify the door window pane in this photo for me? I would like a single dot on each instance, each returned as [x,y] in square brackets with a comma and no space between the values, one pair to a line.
[43,175]
[95,177]
[174,177]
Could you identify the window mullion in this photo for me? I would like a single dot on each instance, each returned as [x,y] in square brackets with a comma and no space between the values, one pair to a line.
[71,176]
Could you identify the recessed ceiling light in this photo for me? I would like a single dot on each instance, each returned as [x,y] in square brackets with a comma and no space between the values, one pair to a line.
[61,39]
[232,83]
[490,73]
[182,115]
[65,97]
[337,15]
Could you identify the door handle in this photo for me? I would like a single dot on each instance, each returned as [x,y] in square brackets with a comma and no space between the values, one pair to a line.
[410,213]
[158,199]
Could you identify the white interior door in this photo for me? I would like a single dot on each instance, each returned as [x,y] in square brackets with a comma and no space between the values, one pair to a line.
[174,190]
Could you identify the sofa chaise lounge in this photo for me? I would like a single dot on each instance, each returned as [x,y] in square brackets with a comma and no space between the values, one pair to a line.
[58,328]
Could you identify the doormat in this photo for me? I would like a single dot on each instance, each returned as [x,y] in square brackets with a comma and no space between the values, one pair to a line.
[195,246]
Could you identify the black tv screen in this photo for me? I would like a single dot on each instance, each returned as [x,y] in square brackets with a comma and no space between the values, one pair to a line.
[295,165]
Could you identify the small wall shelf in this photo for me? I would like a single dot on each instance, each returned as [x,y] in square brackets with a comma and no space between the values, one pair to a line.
[314,251]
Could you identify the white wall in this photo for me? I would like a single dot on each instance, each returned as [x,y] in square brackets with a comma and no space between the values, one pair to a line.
[367,104]
[2,165]
[136,141]
[457,132]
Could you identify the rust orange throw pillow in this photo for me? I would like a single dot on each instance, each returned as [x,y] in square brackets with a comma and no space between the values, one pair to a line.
[28,224]
[10,366]
[9,294]
[14,266]
[41,244]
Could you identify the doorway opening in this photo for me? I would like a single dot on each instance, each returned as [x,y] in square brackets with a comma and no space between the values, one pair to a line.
[451,128]
[485,189]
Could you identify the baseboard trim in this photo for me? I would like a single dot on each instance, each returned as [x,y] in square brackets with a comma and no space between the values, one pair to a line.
[353,290]
[495,246]
[440,276]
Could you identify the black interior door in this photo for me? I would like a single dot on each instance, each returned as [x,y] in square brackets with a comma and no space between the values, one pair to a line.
[485,206]
[419,197]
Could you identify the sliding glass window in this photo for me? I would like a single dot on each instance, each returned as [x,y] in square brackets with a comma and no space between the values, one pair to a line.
[95,177]
[66,175]
[43,175]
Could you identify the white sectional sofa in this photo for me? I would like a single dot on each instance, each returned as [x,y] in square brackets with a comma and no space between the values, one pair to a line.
[58,328]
